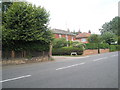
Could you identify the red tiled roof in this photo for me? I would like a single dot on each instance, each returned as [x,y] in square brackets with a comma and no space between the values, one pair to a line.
[82,35]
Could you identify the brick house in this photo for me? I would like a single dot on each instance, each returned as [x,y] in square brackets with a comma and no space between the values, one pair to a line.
[65,34]
[82,37]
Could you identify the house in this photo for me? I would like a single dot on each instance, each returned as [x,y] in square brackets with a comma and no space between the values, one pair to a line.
[82,37]
[63,34]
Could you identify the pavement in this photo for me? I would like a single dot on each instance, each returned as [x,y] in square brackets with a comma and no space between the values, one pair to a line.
[93,71]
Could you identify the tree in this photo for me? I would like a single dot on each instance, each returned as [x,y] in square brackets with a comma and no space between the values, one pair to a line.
[112,26]
[94,38]
[109,37]
[6,5]
[23,21]
[25,26]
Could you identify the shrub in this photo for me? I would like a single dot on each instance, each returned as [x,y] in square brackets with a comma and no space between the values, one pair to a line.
[59,42]
[67,50]
[70,43]
[119,40]
[104,46]
[95,46]
[114,48]
[78,44]
[91,46]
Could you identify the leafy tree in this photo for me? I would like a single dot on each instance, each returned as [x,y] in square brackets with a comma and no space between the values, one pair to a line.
[59,42]
[109,37]
[6,5]
[94,38]
[112,26]
[23,22]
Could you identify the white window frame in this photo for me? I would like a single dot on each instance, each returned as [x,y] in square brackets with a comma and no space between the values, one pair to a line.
[60,35]
[66,37]
[83,39]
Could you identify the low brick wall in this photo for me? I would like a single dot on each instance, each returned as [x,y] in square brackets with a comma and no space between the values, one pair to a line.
[95,51]
[25,60]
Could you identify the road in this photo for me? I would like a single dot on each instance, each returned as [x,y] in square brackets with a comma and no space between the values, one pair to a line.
[93,71]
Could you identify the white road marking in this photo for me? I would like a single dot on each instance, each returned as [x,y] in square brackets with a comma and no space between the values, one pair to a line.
[15,78]
[114,55]
[70,66]
[100,59]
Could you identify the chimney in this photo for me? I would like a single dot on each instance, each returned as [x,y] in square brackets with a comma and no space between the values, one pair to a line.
[68,30]
[89,31]
[79,31]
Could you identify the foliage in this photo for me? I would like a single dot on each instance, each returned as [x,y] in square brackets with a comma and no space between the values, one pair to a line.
[6,5]
[109,37]
[23,21]
[67,51]
[94,38]
[24,25]
[78,44]
[59,42]
[112,26]
[95,46]
[114,48]
[70,43]
[119,40]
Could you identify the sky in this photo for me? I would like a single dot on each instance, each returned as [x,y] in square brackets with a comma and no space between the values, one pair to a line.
[83,15]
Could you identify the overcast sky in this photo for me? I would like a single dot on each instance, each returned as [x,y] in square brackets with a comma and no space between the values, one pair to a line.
[79,14]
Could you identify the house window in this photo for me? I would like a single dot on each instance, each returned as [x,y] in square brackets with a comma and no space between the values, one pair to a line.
[83,40]
[59,35]
[72,38]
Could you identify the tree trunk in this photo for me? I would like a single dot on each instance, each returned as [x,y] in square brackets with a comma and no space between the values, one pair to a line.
[50,51]
[13,54]
[24,53]
[98,49]
[43,56]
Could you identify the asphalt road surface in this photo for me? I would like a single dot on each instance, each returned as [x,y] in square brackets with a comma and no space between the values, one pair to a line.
[93,71]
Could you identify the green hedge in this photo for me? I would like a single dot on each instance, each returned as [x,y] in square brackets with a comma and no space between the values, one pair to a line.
[27,46]
[67,51]
[114,48]
[95,46]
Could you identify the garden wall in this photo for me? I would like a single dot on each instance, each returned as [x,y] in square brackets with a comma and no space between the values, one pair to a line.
[94,51]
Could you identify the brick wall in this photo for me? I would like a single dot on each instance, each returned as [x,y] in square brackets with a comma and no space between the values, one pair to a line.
[56,35]
[90,52]
[64,36]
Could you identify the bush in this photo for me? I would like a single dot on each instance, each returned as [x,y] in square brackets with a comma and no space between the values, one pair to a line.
[114,48]
[95,46]
[119,40]
[104,46]
[59,42]
[67,50]
[70,43]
